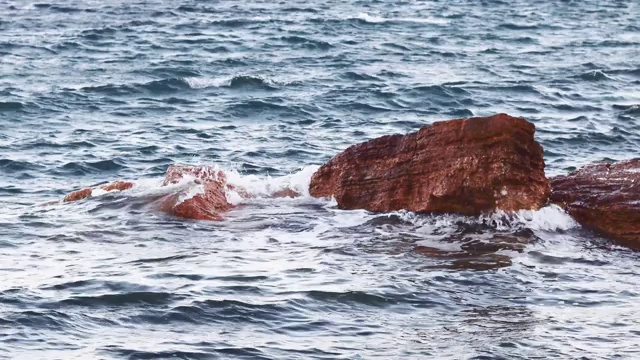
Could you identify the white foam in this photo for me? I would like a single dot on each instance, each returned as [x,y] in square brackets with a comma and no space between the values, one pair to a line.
[203,83]
[190,192]
[186,188]
[377,19]
[549,218]
[99,192]
[266,186]
[238,185]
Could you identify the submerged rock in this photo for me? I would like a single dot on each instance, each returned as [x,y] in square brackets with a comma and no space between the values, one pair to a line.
[207,202]
[466,166]
[605,197]
[119,185]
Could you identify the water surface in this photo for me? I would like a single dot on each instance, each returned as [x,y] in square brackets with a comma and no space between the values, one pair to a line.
[92,91]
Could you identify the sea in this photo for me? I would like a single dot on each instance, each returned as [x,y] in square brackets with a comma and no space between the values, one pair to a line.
[93,91]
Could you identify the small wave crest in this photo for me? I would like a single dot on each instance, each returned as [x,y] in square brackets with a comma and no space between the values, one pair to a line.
[374,19]
[81,168]
[11,106]
[252,186]
[548,218]
[243,82]
[176,84]
[263,187]
[11,166]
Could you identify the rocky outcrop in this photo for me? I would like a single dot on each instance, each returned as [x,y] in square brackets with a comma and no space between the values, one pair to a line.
[605,197]
[466,166]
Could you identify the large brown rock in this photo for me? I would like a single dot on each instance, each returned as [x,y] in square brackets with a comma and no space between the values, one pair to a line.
[605,197]
[467,166]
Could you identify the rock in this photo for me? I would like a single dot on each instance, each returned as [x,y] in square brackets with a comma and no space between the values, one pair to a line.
[466,166]
[119,185]
[208,202]
[604,197]
[285,193]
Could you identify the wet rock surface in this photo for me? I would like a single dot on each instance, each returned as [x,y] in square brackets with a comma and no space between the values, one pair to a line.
[605,197]
[208,202]
[118,185]
[466,166]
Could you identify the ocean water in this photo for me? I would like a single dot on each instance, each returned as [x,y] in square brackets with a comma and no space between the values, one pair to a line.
[92,91]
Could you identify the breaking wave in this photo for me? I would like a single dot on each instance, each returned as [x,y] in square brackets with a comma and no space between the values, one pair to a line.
[255,188]
[375,19]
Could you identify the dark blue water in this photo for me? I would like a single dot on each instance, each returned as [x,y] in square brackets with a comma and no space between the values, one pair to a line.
[92,91]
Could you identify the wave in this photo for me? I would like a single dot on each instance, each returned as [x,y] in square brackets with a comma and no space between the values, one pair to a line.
[196,9]
[628,109]
[87,167]
[352,75]
[594,75]
[11,166]
[256,187]
[243,82]
[348,297]
[438,91]
[513,26]
[255,82]
[54,145]
[374,19]
[518,88]
[268,108]
[300,10]
[177,84]
[121,299]
[635,72]
[548,218]
[307,43]
[240,22]
[65,9]
[11,106]
[168,354]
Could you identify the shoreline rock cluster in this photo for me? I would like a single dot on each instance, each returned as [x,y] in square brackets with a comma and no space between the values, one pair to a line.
[467,166]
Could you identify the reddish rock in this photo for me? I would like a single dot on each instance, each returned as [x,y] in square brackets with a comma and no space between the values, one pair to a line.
[119,185]
[85,193]
[78,195]
[285,193]
[207,204]
[200,174]
[605,197]
[467,166]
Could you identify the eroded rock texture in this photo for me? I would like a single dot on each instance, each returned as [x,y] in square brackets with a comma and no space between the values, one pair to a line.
[466,166]
[208,202]
[605,197]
